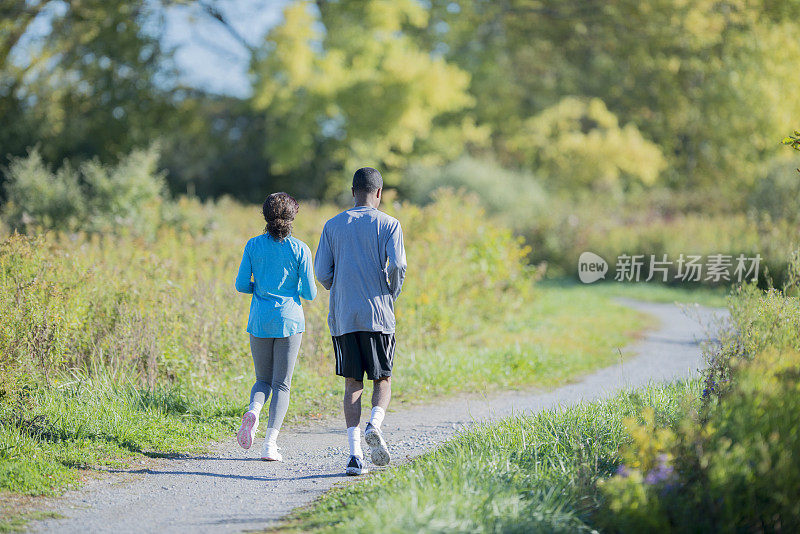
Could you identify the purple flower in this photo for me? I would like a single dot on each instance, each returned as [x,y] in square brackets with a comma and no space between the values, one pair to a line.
[663,472]
[623,471]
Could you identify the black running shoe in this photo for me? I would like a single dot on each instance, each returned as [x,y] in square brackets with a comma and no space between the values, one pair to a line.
[356,467]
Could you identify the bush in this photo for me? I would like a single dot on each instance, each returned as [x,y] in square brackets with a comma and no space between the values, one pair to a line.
[579,145]
[777,193]
[96,198]
[647,224]
[732,465]
[511,196]
[37,197]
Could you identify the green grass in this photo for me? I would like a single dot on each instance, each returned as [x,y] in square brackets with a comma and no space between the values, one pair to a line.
[535,346]
[99,422]
[525,474]
[93,423]
[18,522]
[650,292]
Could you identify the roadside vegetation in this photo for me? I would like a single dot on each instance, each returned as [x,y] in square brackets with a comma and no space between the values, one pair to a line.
[713,454]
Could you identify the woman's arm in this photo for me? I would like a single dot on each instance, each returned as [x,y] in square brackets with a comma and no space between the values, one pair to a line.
[243,278]
[308,289]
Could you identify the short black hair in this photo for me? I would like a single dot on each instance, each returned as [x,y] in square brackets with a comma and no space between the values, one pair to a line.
[367,180]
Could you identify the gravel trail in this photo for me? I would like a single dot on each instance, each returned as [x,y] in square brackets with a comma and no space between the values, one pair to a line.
[231,490]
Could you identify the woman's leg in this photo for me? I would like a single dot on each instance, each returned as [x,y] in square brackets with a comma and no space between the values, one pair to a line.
[262,351]
[284,357]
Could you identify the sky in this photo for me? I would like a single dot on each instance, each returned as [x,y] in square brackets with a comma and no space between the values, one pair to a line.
[207,55]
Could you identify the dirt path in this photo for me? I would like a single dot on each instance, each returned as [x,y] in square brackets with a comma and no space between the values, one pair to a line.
[230,490]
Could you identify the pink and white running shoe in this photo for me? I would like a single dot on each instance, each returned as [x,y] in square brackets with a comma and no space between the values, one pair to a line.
[248,430]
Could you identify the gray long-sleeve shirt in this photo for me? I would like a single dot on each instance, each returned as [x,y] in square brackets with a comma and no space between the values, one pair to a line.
[361,259]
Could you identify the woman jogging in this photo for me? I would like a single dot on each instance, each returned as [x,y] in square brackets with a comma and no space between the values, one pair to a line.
[277,269]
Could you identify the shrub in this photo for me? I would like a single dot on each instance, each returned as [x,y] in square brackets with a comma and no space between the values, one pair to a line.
[730,466]
[777,193]
[128,194]
[126,197]
[37,197]
[579,144]
[514,197]
[739,473]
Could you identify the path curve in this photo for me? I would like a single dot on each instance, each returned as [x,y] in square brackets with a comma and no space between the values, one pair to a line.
[230,490]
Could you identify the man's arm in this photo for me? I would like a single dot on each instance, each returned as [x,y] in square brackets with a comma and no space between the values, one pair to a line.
[395,261]
[323,260]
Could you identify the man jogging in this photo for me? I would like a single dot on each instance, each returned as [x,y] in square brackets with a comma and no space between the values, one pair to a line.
[361,260]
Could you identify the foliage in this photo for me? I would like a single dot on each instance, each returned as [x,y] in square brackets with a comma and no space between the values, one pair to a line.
[681,72]
[81,79]
[793,140]
[512,197]
[361,92]
[95,198]
[37,196]
[736,473]
[578,145]
[731,465]
[759,320]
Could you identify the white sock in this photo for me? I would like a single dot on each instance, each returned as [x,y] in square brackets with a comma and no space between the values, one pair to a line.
[255,407]
[272,435]
[354,439]
[378,414]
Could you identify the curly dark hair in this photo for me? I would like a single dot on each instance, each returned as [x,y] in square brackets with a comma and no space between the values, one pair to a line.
[279,211]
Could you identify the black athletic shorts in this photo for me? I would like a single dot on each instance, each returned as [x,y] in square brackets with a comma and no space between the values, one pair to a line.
[364,352]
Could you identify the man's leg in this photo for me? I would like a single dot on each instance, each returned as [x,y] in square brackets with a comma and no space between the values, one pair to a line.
[352,414]
[381,395]
[352,401]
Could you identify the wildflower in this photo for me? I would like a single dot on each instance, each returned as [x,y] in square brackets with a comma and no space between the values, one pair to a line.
[624,471]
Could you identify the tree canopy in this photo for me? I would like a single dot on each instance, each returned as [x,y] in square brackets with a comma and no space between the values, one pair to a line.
[583,95]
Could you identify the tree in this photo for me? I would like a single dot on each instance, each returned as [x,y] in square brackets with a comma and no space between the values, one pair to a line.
[701,79]
[91,85]
[343,85]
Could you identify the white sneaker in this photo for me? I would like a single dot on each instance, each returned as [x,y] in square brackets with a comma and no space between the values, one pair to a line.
[248,430]
[270,452]
[377,445]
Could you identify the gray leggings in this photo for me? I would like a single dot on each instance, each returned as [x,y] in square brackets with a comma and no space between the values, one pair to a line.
[274,359]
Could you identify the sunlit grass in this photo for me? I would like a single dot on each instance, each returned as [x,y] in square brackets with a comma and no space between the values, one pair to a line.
[649,291]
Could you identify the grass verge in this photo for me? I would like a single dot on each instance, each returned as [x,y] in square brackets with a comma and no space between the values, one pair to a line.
[19,522]
[524,474]
[60,430]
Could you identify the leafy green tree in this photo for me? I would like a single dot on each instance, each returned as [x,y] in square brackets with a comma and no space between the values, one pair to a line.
[90,84]
[578,145]
[701,79]
[343,85]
